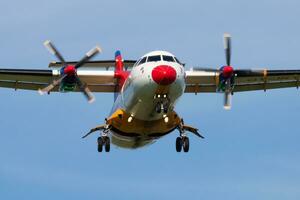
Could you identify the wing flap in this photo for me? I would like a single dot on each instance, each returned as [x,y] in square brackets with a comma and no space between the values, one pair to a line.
[22,85]
[201,77]
[35,86]
[40,76]
[265,86]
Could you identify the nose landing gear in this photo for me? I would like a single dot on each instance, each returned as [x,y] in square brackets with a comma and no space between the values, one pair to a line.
[162,104]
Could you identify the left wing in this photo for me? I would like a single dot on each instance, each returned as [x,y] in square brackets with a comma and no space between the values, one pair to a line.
[32,79]
[208,80]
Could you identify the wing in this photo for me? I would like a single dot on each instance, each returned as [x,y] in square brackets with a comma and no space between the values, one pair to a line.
[32,79]
[207,80]
[96,64]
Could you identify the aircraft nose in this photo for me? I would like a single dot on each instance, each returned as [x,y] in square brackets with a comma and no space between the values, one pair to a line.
[164,74]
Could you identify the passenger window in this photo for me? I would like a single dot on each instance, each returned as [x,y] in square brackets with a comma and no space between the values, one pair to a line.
[168,58]
[143,60]
[154,58]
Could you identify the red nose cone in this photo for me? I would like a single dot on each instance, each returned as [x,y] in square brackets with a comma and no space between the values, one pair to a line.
[227,71]
[164,74]
[69,70]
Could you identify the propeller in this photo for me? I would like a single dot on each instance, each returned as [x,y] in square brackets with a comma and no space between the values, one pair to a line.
[227,72]
[70,71]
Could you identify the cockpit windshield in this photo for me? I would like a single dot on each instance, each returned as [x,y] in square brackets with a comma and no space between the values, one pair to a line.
[154,58]
[168,58]
[143,60]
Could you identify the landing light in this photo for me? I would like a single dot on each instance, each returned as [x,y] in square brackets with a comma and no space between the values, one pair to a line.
[130,119]
[166,119]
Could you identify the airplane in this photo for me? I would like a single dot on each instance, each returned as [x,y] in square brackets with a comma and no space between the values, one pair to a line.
[145,90]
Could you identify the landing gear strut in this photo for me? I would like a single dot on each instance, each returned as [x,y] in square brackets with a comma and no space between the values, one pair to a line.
[103,140]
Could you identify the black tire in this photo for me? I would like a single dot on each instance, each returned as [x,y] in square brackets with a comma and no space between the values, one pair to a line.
[100,144]
[186,144]
[107,144]
[157,108]
[178,144]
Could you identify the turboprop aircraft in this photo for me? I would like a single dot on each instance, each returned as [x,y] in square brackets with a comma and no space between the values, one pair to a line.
[146,90]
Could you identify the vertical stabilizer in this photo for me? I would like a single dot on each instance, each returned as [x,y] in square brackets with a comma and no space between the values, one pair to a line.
[120,74]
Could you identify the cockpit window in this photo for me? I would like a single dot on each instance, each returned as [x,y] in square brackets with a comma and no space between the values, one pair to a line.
[154,58]
[178,61]
[168,58]
[143,60]
[137,62]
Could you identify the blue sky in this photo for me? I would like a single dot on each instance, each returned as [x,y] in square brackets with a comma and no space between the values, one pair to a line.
[250,152]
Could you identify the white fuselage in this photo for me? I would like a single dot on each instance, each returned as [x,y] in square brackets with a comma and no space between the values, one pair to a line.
[144,108]
[137,94]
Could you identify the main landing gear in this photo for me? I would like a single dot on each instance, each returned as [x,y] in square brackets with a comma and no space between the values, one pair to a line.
[183,142]
[104,141]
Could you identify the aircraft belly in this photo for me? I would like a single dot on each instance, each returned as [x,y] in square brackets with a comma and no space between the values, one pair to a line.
[138,133]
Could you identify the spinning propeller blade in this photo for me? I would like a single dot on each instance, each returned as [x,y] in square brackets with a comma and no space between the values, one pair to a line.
[227,101]
[85,90]
[52,85]
[227,47]
[88,56]
[53,50]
